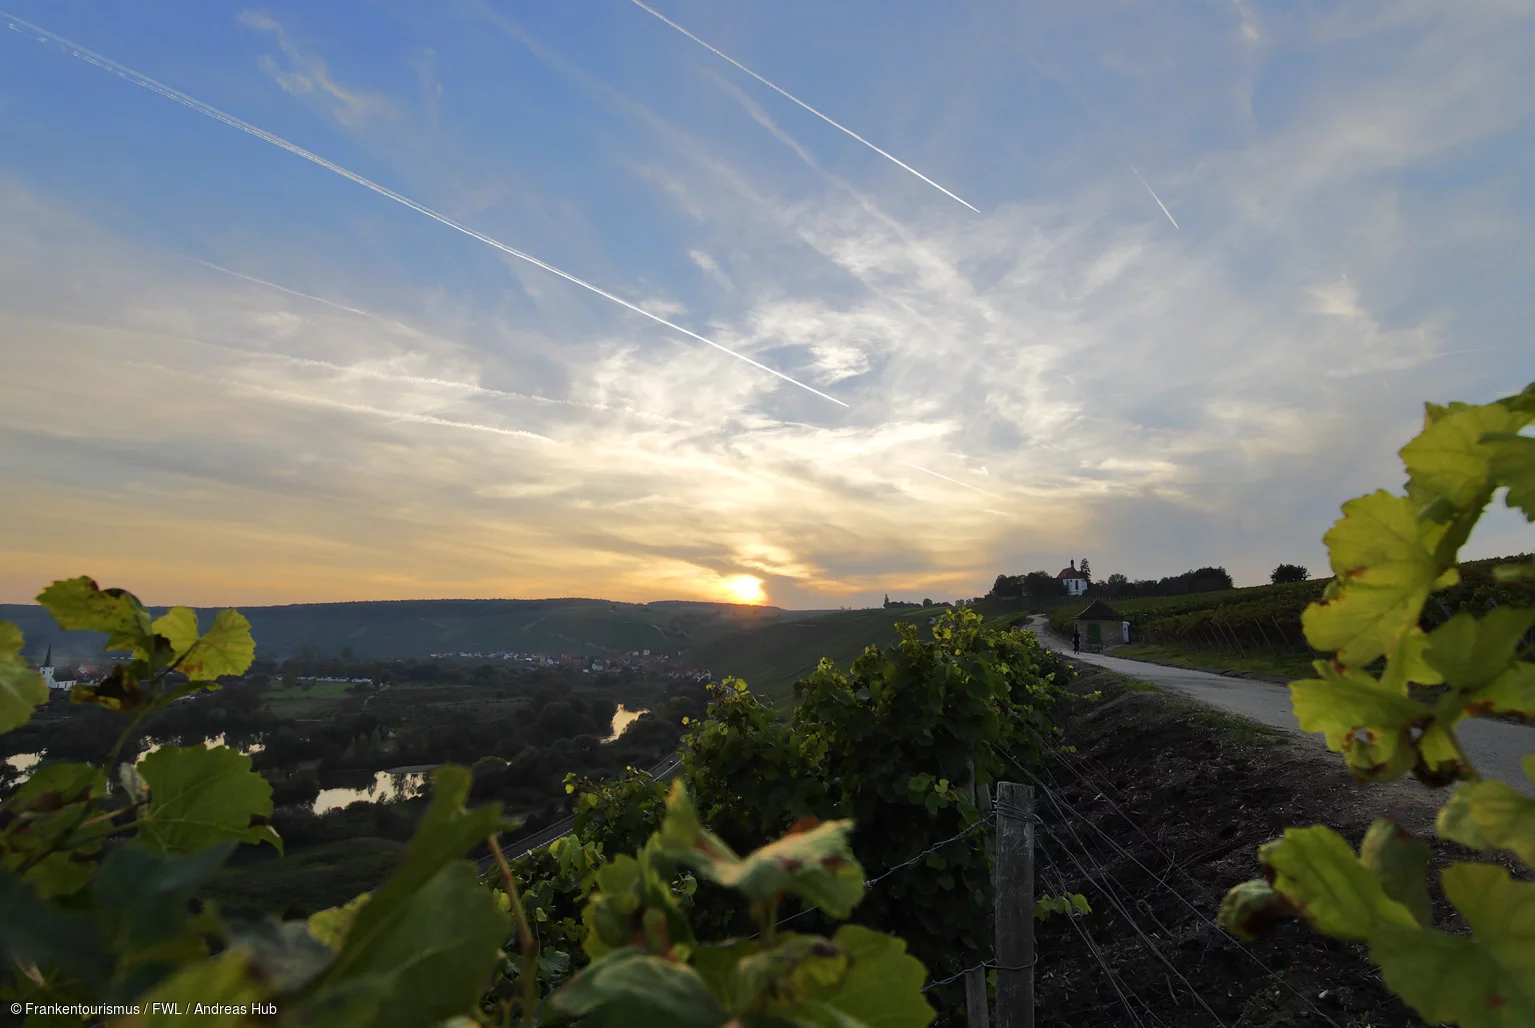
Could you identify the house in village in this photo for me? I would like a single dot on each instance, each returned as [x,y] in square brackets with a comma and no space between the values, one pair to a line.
[1100,625]
[1074,580]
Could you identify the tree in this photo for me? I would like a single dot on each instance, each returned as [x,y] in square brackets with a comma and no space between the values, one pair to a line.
[926,602]
[1082,566]
[1042,583]
[1288,573]
[1117,581]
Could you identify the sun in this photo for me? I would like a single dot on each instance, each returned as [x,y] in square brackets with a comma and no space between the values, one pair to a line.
[745,588]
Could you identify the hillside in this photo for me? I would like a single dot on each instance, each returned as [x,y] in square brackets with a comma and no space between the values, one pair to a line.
[416,628]
[771,656]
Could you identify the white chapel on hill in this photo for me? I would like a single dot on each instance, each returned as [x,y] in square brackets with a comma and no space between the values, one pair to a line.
[1074,580]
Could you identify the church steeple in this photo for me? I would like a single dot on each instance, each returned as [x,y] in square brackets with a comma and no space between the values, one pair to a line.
[48,660]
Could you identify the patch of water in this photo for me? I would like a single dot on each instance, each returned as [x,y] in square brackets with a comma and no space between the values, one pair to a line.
[212,742]
[24,763]
[386,788]
[622,719]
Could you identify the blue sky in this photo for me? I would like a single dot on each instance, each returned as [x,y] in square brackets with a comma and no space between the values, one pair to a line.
[233,376]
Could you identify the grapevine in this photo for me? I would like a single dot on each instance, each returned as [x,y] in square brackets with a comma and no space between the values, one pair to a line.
[1393,554]
[98,890]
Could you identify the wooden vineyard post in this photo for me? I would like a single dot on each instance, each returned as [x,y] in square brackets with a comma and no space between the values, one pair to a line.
[1015,905]
[977,1010]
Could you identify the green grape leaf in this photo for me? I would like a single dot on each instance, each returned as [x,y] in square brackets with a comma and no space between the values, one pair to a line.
[216,992]
[424,956]
[178,627]
[1470,652]
[1486,980]
[817,864]
[633,989]
[1491,815]
[78,604]
[1386,569]
[1370,725]
[331,925]
[1512,464]
[225,649]
[49,936]
[1522,402]
[445,833]
[41,815]
[881,988]
[1449,458]
[1320,876]
[199,796]
[22,690]
[424,943]
[716,964]
[1400,863]
[149,894]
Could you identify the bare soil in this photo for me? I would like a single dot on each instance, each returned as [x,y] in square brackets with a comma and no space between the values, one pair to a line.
[1157,814]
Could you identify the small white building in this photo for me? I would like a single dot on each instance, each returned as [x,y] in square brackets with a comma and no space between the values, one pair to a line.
[1075,581]
[47,670]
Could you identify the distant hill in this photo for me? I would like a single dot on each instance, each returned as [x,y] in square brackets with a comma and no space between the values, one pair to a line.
[772,654]
[416,628]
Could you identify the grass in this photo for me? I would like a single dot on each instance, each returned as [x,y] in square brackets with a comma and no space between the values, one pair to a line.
[306,698]
[1286,667]
[304,881]
[1238,728]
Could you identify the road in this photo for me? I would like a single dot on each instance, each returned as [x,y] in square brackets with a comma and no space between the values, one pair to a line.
[1495,747]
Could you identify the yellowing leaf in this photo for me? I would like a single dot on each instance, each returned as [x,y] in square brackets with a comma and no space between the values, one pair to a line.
[22,690]
[331,925]
[78,604]
[1319,874]
[179,627]
[1370,725]
[1450,459]
[1386,569]
[1492,815]
[1486,980]
[1512,692]
[225,649]
[816,865]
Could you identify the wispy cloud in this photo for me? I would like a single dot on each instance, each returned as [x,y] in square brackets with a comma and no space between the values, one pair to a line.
[208,110]
[785,93]
[306,74]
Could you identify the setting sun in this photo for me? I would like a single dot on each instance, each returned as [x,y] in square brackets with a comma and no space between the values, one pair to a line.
[745,588]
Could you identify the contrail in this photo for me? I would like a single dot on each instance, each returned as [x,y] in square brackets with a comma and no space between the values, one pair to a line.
[139,79]
[295,292]
[1154,196]
[956,481]
[812,110]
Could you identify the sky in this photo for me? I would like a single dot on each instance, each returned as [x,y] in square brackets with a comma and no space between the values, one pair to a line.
[1159,285]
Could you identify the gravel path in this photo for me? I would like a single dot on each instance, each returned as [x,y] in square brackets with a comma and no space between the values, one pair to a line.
[1494,746]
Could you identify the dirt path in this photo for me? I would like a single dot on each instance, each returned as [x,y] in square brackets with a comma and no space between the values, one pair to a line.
[1495,747]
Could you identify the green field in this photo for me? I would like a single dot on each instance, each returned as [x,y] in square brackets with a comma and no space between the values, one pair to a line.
[306,699]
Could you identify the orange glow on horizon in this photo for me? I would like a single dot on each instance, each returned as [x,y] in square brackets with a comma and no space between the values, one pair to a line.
[745,588]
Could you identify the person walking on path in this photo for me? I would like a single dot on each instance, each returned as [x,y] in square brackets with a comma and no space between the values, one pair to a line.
[1076,640]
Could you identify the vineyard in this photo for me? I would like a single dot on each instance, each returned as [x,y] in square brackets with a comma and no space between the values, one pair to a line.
[1266,620]
[878,897]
